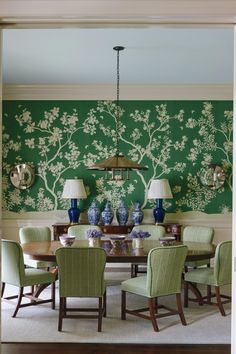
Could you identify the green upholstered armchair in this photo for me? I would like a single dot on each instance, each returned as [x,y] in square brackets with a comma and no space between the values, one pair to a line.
[218,276]
[79,231]
[34,234]
[14,273]
[164,273]
[156,232]
[81,274]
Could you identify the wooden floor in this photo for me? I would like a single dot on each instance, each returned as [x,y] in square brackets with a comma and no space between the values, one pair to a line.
[65,348]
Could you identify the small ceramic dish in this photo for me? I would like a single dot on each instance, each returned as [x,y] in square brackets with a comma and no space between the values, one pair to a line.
[117,238]
[167,240]
[66,240]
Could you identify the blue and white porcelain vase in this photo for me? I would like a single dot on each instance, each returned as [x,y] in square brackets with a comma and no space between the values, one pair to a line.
[107,214]
[93,214]
[122,214]
[137,214]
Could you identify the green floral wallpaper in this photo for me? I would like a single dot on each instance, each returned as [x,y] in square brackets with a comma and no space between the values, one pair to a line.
[175,139]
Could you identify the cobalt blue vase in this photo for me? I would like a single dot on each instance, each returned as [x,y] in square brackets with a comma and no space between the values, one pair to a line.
[122,214]
[94,214]
[159,212]
[74,212]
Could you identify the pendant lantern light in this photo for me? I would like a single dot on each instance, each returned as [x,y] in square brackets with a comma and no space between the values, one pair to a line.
[117,167]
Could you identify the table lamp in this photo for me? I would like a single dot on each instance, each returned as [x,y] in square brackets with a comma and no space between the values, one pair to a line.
[74,189]
[159,189]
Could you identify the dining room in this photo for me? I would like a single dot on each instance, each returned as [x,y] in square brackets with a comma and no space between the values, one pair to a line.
[160,96]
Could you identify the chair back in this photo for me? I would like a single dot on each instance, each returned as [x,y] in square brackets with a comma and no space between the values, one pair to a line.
[79,231]
[202,234]
[156,231]
[164,270]
[223,263]
[81,271]
[31,234]
[13,271]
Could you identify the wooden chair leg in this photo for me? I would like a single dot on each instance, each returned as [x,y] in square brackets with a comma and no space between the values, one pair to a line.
[185,294]
[209,294]
[132,270]
[180,309]
[152,310]
[135,270]
[218,299]
[61,312]
[21,291]
[53,294]
[123,305]
[105,304]
[156,305]
[3,288]
[100,313]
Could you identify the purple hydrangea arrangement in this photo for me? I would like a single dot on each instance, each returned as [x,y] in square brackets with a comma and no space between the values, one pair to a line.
[139,234]
[93,233]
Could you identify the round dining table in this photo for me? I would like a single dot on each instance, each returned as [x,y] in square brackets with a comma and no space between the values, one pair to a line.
[120,252]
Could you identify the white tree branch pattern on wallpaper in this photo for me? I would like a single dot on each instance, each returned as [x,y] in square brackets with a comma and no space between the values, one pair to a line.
[175,139]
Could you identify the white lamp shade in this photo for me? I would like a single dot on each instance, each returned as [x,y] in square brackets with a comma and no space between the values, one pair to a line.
[159,189]
[74,189]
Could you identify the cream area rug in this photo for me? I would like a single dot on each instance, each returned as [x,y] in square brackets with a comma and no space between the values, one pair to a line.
[39,323]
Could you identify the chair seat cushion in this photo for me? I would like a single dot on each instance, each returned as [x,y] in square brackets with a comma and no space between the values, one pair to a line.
[37,276]
[136,285]
[203,276]
[38,264]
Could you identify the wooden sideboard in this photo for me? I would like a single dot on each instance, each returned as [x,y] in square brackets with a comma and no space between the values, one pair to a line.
[171,228]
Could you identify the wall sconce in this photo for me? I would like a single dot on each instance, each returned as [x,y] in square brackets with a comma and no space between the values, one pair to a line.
[22,176]
[159,189]
[212,176]
[74,189]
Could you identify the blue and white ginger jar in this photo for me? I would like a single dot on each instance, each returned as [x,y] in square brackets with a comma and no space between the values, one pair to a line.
[122,214]
[137,214]
[107,214]
[93,214]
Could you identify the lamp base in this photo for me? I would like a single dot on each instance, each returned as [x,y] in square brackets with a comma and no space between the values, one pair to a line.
[159,212]
[74,212]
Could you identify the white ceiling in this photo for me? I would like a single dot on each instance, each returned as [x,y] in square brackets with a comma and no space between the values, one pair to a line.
[153,55]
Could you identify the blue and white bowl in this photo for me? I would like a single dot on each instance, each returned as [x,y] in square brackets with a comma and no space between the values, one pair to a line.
[66,240]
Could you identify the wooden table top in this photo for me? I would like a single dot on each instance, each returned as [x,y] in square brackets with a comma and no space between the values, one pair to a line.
[45,250]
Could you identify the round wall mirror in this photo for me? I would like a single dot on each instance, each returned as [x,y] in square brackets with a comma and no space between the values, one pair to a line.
[22,176]
[212,176]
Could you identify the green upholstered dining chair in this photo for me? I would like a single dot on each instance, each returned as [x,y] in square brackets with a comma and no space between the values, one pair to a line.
[164,273]
[34,234]
[15,273]
[79,231]
[81,274]
[156,232]
[216,276]
[203,234]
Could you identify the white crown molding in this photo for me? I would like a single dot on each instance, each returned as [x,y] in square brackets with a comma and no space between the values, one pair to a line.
[107,92]
[16,12]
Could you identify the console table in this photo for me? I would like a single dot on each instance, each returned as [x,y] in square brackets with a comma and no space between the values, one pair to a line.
[60,228]
[171,228]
